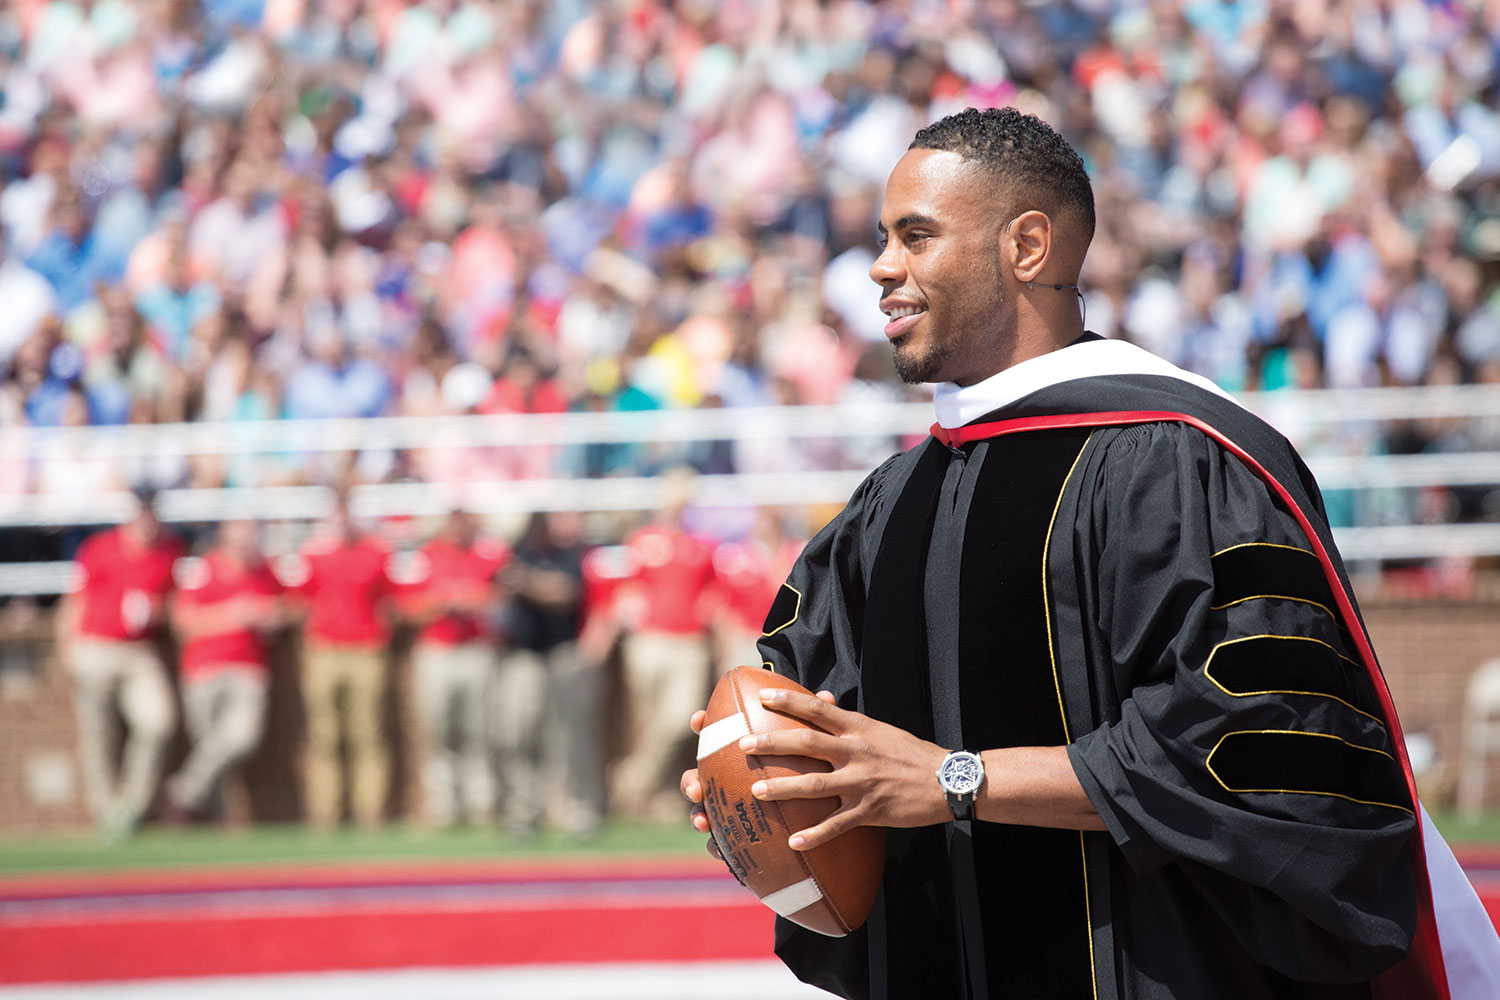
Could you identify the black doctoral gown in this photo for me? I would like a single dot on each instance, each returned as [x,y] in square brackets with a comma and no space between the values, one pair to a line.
[1140,589]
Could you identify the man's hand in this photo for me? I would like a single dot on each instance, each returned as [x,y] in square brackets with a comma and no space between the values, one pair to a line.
[885,776]
[692,789]
[882,775]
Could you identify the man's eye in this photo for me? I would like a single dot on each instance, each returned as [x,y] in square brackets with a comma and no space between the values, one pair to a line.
[881,242]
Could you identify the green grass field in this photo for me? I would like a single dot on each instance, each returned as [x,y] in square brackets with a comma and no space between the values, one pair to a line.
[1482,831]
[264,845]
[184,848]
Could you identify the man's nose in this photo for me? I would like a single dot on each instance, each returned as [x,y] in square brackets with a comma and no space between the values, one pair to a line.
[887,266]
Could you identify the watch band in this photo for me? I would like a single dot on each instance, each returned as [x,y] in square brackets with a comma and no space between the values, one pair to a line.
[962,805]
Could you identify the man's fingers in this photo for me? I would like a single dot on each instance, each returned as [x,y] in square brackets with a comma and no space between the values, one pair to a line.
[810,708]
[819,784]
[839,822]
[691,787]
[695,722]
[796,743]
[698,819]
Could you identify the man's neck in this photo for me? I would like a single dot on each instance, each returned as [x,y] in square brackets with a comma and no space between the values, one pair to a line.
[1025,346]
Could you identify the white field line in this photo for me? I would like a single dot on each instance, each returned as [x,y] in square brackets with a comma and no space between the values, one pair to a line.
[767,980]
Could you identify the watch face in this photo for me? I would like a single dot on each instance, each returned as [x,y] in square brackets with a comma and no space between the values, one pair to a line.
[961,773]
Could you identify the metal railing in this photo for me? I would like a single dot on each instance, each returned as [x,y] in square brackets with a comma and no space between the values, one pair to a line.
[1304,416]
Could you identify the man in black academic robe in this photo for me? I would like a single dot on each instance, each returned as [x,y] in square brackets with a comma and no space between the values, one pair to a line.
[1136,593]
[1118,588]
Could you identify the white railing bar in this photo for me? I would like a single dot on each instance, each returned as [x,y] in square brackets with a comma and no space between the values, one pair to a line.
[38,579]
[633,493]
[427,499]
[1419,541]
[1283,409]
[464,432]
[1386,471]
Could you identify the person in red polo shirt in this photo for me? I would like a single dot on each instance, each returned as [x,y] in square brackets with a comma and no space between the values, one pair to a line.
[448,590]
[347,591]
[107,635]
[747,575]
[665,654]
[228,604]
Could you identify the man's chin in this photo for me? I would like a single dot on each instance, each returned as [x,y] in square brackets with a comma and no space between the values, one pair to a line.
[915,374]
[914,367]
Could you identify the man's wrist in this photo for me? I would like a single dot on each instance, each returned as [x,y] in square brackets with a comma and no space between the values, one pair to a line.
[961,776]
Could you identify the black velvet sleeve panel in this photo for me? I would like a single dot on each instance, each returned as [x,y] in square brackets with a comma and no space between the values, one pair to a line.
[815,625]
[1244,759]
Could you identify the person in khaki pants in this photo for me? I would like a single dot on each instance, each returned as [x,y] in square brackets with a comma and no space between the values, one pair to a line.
[665,654]
[449,586]
[107,636]
[347,591]
[227,606]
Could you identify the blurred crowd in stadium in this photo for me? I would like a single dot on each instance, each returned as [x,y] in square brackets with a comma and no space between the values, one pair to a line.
[234,210]
[238,209]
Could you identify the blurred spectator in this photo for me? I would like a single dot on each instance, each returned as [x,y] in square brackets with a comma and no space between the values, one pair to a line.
[747,575]
[333,381]
[544,581]
[234,232]
[73,470]
[451,590]
[522,387]
[107,635]
[228,605]
[342,575]
[175,303]
[28,299]
[666,658]
[67,255]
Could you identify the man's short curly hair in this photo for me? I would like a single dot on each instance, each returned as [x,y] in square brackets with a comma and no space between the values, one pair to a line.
[1024,154]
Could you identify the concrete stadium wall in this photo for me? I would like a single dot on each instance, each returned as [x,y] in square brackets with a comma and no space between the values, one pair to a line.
[1428,649]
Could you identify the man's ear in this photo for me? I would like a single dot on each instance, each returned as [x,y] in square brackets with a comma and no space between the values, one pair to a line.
[1030,233]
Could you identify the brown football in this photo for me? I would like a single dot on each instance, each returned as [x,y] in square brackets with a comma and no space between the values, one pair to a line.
[829,889]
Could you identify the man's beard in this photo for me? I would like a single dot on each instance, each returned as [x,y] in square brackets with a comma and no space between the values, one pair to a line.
[915,370]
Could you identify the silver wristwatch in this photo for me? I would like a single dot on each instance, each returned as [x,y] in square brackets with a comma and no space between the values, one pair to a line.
[961,775]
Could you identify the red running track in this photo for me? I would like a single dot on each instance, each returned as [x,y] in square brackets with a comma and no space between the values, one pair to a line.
[224,922]
[145,925]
